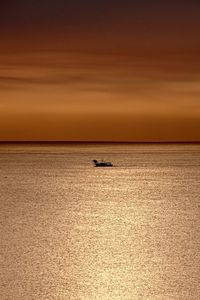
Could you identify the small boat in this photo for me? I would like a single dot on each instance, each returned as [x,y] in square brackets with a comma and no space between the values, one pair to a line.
[102,163]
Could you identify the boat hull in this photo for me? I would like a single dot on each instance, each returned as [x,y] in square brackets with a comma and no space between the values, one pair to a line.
[103,166]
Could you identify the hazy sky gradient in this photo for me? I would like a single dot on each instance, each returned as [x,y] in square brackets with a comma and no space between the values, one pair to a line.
[99,71]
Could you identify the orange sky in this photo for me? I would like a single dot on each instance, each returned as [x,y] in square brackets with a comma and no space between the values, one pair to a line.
[99,85]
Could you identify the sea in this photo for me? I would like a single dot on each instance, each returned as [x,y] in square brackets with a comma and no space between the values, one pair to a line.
[72,231]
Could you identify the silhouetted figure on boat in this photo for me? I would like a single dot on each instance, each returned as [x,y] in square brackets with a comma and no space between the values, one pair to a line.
[102,163]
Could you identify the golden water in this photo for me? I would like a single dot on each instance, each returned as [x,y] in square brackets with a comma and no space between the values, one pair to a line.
[70,231]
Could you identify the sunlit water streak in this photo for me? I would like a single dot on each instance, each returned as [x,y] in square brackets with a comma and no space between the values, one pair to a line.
[73,231]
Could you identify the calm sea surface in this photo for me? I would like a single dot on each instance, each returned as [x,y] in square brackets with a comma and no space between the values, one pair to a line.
[70,231]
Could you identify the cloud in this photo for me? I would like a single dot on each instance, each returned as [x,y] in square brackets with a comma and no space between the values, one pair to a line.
[79,92]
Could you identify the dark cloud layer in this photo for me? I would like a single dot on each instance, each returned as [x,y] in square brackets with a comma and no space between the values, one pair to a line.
[100,25]
[75,13]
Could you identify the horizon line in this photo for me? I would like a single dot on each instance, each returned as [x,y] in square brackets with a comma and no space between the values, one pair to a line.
[99,142]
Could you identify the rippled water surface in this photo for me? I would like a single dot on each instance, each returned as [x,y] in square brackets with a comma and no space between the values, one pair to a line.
[70,231]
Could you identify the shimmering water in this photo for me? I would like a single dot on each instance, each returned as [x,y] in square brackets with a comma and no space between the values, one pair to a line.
[73,231]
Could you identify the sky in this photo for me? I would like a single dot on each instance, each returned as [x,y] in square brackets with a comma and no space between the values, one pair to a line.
[100,70]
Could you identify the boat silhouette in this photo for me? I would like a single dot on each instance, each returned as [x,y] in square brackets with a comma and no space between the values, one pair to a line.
[102,163]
